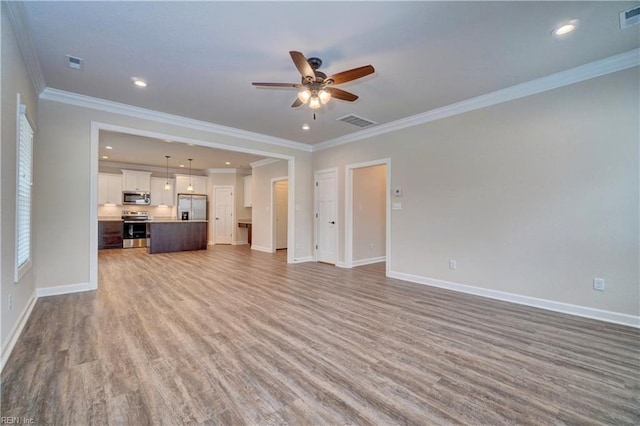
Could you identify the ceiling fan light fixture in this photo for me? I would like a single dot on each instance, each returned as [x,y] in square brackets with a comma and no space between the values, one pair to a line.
[190,187]
[314,86]
[324,96]
[304,96]
[314,102]
[166,185]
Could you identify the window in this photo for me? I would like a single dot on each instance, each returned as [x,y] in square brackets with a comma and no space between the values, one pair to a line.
[24,180]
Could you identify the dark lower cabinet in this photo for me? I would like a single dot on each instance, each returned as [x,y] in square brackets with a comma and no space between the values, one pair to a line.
[183,235]
[109,234]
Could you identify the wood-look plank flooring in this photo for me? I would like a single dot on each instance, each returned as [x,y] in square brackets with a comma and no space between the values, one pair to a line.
[233,336]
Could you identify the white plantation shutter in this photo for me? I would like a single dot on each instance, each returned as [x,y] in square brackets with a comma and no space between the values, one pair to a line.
[23,198]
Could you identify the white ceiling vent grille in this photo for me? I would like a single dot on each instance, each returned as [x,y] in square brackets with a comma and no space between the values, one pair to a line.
[629,17]
[356,121]
[75,62]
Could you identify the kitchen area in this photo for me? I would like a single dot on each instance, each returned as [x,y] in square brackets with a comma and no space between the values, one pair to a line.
[141,209]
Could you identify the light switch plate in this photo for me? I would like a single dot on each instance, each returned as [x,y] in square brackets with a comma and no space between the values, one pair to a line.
[598,284]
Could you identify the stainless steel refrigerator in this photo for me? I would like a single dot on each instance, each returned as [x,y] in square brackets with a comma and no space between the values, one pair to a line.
[192,207]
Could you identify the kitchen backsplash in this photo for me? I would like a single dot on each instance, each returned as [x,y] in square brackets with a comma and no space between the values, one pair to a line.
[154,212]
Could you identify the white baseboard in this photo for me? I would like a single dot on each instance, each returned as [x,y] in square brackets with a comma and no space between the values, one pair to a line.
[17,330]
[64,289]
[304,259]
[240,243]
[565,308]
[369,261]
[259,248]
[341,264]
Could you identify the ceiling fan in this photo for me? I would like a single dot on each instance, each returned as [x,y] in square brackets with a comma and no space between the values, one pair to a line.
[316,87]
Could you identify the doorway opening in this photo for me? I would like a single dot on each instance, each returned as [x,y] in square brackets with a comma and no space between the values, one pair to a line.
[99,130]
[280,213]
[367,205]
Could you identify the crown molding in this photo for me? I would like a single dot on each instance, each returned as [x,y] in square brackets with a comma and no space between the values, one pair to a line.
[588,71]
[83,101]
[264,162]
[15,13]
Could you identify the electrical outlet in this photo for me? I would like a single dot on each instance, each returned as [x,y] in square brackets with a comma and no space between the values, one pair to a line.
[598,284]
[453,265]
[10,302]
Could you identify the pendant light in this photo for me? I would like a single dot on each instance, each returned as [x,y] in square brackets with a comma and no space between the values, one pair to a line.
[190,187]
[166,185]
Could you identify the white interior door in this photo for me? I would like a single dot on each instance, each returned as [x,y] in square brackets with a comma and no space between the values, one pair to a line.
[223,222]
[326,215]
[281,213]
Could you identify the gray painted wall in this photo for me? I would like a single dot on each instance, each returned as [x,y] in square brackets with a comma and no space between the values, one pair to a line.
[535,197]
[15,79]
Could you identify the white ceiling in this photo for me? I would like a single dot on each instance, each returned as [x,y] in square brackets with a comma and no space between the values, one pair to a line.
[140,150]
[200,58]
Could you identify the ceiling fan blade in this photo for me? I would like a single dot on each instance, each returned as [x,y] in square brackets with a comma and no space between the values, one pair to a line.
[341,94]
[293,85]
[303,65]
[296,103]
[353,74]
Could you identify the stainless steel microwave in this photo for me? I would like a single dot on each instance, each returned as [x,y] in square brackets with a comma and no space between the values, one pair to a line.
[138,198]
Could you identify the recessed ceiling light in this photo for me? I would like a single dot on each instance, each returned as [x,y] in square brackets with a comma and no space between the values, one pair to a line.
[565,28]
[138,82]
[181,165]
[108,147]
[104,157]
[227,162]
[305,126]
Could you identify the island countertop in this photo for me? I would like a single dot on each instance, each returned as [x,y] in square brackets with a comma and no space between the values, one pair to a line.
[160,220]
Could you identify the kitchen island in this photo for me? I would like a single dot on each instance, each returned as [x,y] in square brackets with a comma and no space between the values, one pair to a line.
[176,235]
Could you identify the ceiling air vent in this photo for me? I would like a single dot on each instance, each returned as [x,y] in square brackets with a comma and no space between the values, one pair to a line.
[629,17]
[356,121]
[75,62]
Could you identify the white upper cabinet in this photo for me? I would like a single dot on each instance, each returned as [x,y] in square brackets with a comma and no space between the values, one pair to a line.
[248,192]
[199,184]
[161,196]
[109,189]
[133,180]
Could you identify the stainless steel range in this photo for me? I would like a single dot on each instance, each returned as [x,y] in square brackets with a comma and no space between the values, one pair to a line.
[134,229]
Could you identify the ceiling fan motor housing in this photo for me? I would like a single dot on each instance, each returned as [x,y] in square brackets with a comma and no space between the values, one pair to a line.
[315,63]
